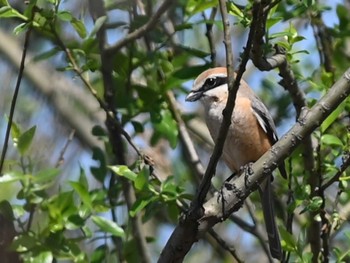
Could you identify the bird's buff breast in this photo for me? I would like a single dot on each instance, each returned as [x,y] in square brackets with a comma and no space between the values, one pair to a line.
[238,140]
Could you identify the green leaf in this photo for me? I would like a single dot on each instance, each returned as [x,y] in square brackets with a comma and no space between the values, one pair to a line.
[79,27]
[7,12]
[25,140]
[141,204]
[108,226]
[15,131]
[199,6]
[98,24]
[315,203]
[330,139]
[43,257]
[99,172]
[142,178]
[287,240]
[332,117]
[195,52]
[4,2]
[83,193]
[123,170]
[75,222]
[272,21]
[46,175]
[12,176]
[234,10]
[47,54]
[138,127]
[165,126]
[99,254]
[65,16]
[20,28]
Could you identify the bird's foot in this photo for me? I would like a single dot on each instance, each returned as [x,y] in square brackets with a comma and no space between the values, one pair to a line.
[248,171]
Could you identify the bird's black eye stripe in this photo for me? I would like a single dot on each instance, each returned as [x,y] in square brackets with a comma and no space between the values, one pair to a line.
[214,82]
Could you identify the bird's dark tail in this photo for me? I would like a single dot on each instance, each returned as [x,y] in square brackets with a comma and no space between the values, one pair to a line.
[265,192]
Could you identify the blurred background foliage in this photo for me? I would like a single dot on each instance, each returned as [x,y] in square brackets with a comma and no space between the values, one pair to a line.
[66,196]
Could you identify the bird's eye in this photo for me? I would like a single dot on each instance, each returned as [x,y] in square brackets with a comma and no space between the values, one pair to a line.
[210,83]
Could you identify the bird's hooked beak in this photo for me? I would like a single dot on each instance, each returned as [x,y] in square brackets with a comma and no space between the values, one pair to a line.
[194,95]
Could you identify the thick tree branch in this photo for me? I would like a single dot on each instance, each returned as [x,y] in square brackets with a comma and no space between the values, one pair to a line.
[233,193]
[289,82]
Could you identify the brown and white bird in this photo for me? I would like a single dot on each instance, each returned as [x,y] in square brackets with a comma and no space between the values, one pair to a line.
[252,132]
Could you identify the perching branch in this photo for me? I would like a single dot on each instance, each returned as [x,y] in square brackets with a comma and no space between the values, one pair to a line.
[234,192]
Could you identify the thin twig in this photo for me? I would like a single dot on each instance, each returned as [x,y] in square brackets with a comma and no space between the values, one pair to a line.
[209,34]
[335,178]
[64,149]
[141,31]
[14,98]
[225,246]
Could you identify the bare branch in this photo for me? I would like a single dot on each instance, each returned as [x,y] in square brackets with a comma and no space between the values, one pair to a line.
[14,98]
[225,246]
[185,138]
[210,36]
[141,31]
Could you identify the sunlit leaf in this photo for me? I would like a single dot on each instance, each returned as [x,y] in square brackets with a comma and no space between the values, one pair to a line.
[108,226]
[98,24]
[46,175]
[43,257]
[8,11]
[79,27]
[65,16]
[332,117]
[83,193]
[330,139]
[124,171]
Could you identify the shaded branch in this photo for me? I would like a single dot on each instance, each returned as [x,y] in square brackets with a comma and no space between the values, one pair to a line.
[141,31]
[323,42]
[115,132]
[210,36]
[185,138]
[225,246]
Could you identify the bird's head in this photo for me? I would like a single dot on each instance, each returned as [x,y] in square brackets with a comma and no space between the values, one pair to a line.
[211,85]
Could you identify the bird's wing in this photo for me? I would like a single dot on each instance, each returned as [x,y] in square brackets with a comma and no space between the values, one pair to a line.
[266,122]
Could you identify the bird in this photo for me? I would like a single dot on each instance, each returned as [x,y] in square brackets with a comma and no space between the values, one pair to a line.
[252,132]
